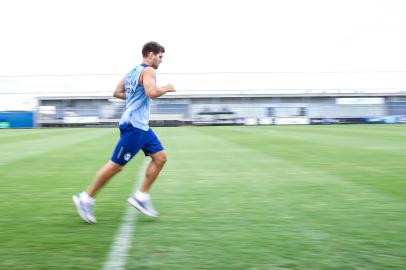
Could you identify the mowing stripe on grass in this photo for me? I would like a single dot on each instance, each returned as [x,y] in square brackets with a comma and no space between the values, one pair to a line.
[47,142]
[118,254]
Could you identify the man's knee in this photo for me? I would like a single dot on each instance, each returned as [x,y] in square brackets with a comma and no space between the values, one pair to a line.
[161,157]
[115,167]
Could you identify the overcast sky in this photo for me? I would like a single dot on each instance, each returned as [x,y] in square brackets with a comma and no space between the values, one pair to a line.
[83,36]
[92,37]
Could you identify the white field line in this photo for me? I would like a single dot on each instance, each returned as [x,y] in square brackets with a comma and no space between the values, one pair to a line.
[117,257]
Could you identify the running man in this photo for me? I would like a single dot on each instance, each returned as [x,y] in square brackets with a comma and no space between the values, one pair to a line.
[137,87]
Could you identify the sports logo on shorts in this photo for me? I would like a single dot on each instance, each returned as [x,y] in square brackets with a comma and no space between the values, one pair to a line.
[127,156]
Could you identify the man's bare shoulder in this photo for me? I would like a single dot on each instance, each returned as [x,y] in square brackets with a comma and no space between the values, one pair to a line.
[148,73]
[149,69]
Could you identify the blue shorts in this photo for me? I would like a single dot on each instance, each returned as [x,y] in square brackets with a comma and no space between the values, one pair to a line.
[131,141]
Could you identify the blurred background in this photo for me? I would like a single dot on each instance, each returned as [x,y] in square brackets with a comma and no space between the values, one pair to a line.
[243,98]
[232,62]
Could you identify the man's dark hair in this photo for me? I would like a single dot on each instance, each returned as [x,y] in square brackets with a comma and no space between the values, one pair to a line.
[153,47]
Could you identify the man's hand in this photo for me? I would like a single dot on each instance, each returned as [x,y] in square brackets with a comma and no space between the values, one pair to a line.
[169,88]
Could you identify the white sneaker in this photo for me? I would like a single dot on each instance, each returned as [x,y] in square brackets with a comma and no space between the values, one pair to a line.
[144,206]
[85,208]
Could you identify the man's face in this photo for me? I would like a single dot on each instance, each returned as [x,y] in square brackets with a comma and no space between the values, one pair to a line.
[156,59]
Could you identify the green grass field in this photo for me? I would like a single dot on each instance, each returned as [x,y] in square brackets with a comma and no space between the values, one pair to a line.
[277,197]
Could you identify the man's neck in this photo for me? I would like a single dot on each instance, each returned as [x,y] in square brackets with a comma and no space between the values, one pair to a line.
[146,62]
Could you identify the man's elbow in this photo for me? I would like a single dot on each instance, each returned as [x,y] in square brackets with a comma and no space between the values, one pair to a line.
[119,94]
[152,95]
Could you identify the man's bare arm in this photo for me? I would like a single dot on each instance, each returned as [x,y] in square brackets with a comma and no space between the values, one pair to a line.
[151,89]
[119,92]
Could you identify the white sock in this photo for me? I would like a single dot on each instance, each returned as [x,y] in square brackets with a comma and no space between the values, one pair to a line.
[142,196]
[87,198]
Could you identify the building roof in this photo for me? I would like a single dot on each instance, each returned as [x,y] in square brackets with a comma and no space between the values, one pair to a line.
[19,90]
